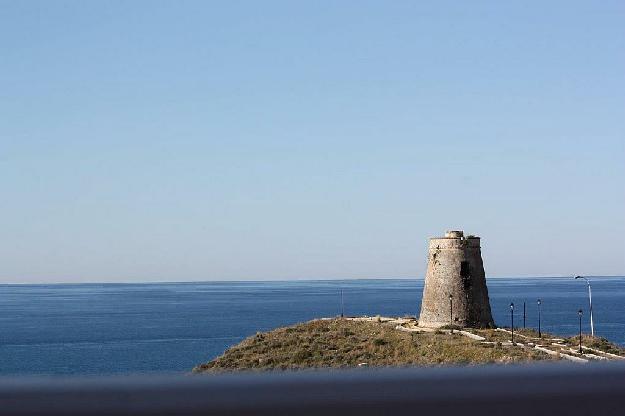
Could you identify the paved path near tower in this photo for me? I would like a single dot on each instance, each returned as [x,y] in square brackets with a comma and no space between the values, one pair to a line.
[557,347]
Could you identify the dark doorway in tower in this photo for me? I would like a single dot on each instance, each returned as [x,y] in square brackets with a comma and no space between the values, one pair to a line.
[465,274]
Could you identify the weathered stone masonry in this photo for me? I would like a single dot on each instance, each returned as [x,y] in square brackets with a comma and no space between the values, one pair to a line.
[455,268]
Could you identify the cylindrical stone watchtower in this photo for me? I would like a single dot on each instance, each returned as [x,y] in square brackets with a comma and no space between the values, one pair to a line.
[455,289]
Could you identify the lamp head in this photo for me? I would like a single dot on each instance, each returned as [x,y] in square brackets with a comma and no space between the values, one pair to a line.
[511,306]
[538,301]
[579,312]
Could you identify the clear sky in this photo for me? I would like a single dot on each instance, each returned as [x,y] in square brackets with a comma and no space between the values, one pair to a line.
[180,140]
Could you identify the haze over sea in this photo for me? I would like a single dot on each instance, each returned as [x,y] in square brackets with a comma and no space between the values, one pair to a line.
[170,327]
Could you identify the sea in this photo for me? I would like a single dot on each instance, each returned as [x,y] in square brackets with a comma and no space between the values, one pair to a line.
[112,329]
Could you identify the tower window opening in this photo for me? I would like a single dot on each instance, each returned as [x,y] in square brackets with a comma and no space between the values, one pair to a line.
[465,273]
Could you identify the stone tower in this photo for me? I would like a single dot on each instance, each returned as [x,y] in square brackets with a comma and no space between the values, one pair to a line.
[455,268]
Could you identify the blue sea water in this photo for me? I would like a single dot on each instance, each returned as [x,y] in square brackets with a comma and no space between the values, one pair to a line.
[101,329]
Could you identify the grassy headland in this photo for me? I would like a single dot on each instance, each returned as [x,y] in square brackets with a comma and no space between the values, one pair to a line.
[342,343]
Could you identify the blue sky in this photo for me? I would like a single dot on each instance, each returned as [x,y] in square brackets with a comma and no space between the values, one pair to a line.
[163,141]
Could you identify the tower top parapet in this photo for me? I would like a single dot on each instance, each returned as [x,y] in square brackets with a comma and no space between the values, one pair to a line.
[456,235]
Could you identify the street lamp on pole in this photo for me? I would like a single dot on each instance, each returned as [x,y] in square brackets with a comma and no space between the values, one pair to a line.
[451,313]
[579,312]
[342,305]
[512,320]
[592,325]
[539,334]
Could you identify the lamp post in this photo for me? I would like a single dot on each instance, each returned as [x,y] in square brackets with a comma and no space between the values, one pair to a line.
[592,325]
[539,334]
[451,313]
[342,305]
[523,314]
[579,312]
[512,320]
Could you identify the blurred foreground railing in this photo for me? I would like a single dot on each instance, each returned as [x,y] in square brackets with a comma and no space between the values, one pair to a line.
[507,390]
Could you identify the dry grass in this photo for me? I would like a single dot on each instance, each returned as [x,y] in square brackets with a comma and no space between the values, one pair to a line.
[341,343]
[598,343]
[601,344]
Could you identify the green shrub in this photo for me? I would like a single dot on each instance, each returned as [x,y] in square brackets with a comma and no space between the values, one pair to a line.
[302,355]
[378,342]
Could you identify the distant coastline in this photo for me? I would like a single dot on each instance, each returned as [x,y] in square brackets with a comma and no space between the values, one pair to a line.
[294,280]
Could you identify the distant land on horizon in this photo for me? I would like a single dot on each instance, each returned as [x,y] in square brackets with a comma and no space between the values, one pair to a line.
[420,278]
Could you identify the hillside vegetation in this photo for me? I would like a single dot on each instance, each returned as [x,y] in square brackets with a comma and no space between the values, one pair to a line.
[341,343]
